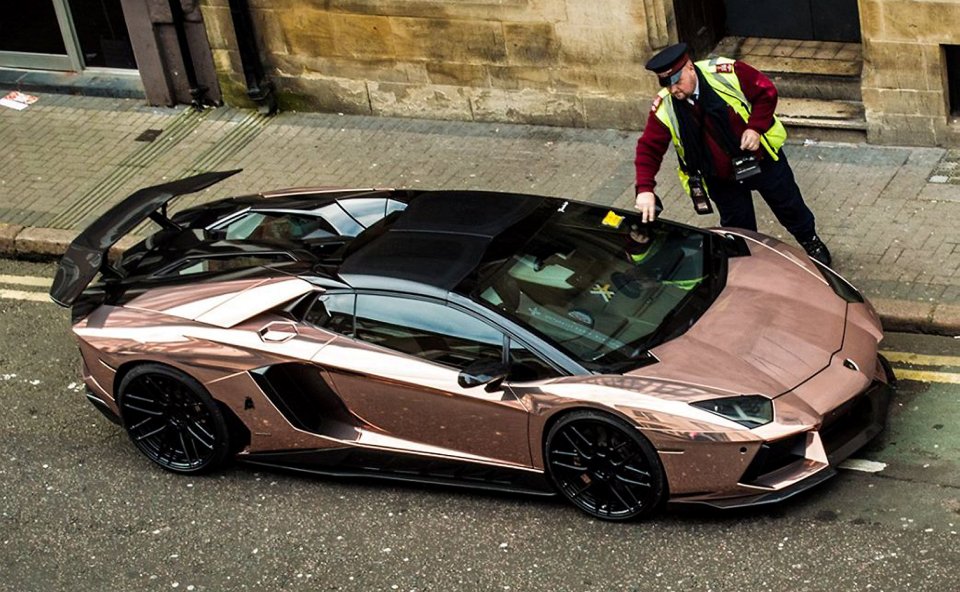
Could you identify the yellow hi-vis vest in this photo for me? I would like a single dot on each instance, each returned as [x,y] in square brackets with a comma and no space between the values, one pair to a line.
[719,74]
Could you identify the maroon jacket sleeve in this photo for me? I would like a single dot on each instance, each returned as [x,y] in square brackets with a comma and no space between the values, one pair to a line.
[651,147]
[760,92]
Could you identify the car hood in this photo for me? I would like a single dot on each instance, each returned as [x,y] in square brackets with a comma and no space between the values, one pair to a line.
[775,324]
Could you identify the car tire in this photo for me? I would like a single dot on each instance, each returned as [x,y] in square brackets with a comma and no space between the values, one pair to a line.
[604,466]
[172,420]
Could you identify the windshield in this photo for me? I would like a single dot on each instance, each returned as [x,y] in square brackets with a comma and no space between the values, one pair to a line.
[603,287]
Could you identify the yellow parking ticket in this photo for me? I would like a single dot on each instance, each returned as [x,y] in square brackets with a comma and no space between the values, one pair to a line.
[612,219]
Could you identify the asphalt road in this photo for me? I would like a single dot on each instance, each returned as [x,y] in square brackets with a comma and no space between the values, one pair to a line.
[80,510]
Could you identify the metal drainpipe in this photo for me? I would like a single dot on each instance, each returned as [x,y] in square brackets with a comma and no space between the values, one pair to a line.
[198,93]
[259,89]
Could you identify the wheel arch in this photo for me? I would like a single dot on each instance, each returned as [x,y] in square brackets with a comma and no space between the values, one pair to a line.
[239,432]
[560,412]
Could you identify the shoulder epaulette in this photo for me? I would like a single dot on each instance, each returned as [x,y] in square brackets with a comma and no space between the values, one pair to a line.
[656,103]
[724,68]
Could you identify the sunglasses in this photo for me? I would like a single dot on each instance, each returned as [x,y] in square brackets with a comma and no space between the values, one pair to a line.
[668,81]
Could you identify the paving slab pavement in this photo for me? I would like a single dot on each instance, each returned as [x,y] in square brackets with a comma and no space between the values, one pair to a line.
[891,215]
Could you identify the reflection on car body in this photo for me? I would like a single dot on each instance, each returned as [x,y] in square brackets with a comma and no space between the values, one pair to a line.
[515,342]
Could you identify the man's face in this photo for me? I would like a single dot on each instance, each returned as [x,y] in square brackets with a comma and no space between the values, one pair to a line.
[687,83]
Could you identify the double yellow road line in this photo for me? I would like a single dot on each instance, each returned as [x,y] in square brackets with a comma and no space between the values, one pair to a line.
[25,281]
[910,366]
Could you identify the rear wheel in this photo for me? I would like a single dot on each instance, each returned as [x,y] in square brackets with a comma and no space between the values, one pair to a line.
[604,466]
[172,420]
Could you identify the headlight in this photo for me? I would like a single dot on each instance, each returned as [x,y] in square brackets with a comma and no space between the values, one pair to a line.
[841,287]
[750,411]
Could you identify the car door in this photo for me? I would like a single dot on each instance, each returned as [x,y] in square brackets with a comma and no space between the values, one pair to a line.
[397,369]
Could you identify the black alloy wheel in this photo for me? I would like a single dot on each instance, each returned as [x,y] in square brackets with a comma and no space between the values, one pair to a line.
[172,420]
[604,466]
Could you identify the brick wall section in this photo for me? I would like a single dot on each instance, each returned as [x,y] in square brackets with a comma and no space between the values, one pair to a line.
[904,74]
[558,62]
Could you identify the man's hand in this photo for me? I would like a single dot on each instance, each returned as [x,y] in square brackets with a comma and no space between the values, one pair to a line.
[750,140]
[647,204]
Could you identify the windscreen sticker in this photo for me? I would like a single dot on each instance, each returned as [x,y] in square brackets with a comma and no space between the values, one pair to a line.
[613,219]
[603,291]
[581,316]
[553,319]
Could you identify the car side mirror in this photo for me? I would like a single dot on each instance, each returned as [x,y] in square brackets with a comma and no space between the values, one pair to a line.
[487,372]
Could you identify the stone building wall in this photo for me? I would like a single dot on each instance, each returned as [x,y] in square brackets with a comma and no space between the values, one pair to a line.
[557,62]
[905,90]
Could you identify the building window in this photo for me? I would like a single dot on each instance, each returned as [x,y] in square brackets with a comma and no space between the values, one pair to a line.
[952,53]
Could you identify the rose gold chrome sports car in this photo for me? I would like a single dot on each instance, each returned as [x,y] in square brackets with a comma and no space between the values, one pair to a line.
[491,340]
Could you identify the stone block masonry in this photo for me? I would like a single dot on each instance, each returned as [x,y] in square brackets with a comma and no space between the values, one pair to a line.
[556,62]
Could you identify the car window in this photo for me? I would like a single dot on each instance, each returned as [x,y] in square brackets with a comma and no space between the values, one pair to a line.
[278,226]
[333,312]
[223,263]
[526,366]
[427,330]
[370,210]
[343,222]
[602,286]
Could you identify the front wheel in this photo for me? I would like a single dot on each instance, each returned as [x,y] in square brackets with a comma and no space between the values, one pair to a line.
[172,420]
[604,466]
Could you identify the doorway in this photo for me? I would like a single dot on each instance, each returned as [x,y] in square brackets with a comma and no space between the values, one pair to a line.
[703,23]
[66,35]
[809,20]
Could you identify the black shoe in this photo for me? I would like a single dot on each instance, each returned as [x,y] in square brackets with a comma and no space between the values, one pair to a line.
[817,250]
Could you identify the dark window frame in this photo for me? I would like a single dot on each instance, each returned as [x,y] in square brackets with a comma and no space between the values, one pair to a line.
[951,60]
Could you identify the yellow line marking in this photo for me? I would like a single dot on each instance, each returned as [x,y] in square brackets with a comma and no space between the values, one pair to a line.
[925,376]
[921,359]
[26,280]
[21,295]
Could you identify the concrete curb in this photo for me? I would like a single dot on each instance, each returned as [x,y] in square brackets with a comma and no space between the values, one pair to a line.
[47,243]
[911,316]
[897,315]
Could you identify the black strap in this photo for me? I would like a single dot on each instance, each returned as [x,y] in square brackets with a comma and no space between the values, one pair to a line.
[697,157]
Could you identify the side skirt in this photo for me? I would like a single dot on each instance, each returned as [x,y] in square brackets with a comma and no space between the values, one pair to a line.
[361,462]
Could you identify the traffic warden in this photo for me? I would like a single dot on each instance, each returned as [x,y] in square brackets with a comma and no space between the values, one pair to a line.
[719,115]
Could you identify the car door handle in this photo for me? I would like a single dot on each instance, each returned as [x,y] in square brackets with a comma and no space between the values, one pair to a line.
[278,332]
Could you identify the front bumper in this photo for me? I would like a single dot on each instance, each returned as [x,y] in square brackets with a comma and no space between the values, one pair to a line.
[785,467]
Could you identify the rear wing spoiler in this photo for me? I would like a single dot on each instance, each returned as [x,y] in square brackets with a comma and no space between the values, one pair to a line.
[87,254]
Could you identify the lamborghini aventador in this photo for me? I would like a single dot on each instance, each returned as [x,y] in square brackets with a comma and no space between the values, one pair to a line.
[493,340]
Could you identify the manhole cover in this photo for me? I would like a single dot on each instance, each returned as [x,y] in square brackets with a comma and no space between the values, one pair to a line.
[149,135]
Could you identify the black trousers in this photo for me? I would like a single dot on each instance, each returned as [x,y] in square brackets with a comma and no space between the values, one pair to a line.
[777,187]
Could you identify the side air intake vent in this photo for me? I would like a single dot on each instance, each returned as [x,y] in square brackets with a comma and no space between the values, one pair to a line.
[775,455]
[302,395]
